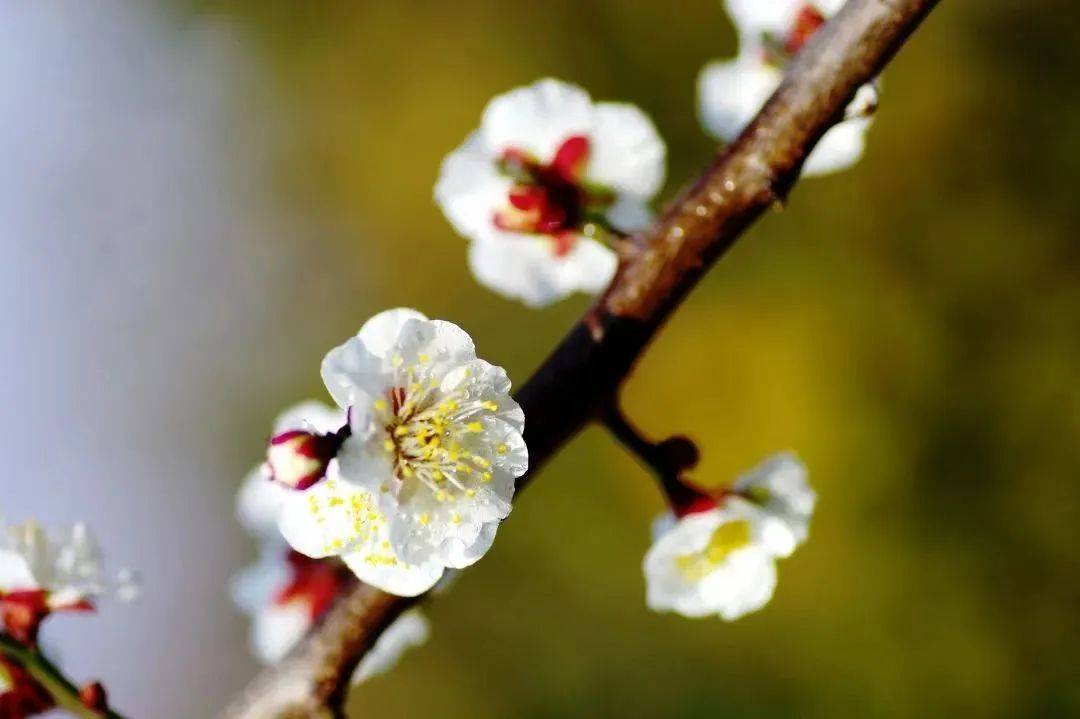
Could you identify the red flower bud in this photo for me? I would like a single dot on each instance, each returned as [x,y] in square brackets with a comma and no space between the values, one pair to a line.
[298,459]
[92,695]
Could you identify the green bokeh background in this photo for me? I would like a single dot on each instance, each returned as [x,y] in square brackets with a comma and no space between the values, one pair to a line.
[910,327]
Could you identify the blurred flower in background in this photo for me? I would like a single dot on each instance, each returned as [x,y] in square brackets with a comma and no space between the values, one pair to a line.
[717,554]
[730,92]
[546,185]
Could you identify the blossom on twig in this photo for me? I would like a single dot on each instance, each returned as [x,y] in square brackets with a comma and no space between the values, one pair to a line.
[425,468]
[545,185]
[717,554]
[43,572]
[731,92]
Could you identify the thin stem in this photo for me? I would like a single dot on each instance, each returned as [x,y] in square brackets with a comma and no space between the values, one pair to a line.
[63,691]
[667,459]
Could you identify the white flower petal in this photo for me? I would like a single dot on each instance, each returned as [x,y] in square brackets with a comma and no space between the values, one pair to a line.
[754,17]
[524,267]
[409,630]
[536,119]
[470,189]
[839,148]
[380,333]
[15,572]
[780,483]
[352,373]
[318,521]
[662,524]
[277,629]
[459,555]
[738,581]
[626,153]
[254,586]
[731,92]
[382,569]
[629,214]
[434,346]
[258,503]
[485,382]
[745,585]
[311,416]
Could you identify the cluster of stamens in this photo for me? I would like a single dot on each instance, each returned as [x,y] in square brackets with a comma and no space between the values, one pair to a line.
[724,540]
[363,521]
[427,436]
[550,199]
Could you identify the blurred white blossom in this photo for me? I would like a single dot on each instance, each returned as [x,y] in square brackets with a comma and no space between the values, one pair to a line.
[285,593]
[43,572]
[409,630]
[719,557]
[541,186]
[731,92]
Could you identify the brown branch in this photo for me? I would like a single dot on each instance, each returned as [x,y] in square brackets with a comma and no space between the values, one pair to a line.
[582,376]
[668,459]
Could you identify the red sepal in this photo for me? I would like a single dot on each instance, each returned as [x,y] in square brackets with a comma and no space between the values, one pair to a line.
[92,695]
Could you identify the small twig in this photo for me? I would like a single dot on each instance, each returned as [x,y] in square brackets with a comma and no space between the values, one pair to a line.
[63,691]
[668,459]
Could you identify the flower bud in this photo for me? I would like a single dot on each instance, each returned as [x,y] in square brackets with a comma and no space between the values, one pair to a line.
[298,459]
[92,695]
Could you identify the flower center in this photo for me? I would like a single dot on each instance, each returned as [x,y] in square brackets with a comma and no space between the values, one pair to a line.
[435,438]
[725,539]
[551,199]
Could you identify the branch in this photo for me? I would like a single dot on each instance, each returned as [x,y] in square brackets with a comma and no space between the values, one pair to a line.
[60,688]
[667,459]
[581,377]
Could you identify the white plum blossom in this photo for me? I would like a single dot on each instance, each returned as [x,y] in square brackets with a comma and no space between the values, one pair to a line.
[285,594]
[731,92]
[409,630]
[719,557]
[43,572]
[427,469]
[545,181]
